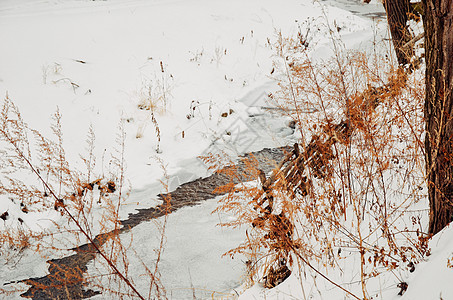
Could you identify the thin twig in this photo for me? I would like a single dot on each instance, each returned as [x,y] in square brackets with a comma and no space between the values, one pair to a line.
[98,250]
[322,275]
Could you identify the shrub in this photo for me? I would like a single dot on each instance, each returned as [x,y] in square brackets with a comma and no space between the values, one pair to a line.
[351,182]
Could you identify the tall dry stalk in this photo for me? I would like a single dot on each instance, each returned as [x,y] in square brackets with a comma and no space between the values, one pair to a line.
[39,178]
[351,181]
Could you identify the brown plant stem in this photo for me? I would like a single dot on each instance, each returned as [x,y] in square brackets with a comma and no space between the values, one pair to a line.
[322,275]
[68,213]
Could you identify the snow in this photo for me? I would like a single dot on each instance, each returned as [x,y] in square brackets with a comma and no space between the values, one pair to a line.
[433,277]
[97,61]
[192,261]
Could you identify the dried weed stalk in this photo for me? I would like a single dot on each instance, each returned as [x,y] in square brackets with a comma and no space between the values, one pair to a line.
[351,182]
[38,178]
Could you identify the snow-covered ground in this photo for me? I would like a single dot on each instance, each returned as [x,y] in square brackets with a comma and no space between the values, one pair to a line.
[205,66]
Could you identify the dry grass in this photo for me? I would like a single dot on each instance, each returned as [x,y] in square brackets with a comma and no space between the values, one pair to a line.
[37,177]
[350,182]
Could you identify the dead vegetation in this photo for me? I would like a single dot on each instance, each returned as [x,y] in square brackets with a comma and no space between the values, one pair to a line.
[83,206]
[351,182]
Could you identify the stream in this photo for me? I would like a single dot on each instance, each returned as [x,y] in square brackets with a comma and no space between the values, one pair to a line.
[59,285]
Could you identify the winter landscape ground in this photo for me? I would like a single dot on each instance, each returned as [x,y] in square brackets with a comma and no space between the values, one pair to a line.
[144,88]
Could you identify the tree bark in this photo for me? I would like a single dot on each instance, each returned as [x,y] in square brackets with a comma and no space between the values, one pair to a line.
[397,17]
[438,26]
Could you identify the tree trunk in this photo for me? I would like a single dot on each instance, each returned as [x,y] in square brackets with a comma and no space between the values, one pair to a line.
[397,16]
[438,26]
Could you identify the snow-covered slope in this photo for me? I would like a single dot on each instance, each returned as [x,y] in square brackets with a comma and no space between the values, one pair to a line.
[206,66]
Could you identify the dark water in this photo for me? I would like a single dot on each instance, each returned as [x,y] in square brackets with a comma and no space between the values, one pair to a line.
[63,282]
